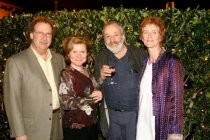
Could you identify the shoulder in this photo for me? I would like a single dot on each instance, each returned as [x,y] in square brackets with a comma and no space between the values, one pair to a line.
[133,48]
[21,56]
[66,70]
[172,59]
[103,55]
[170,56]
[55,54]
[18,62]
[103,52]
[137,51]
[63,73]
[57,57]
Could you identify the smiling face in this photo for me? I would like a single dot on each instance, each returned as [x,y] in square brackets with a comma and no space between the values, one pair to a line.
[78,55]
[76,50]
[41,37]
[152,32]
[150,36]
[113,37]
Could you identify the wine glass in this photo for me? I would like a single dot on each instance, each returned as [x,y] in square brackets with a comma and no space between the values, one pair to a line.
[112,82]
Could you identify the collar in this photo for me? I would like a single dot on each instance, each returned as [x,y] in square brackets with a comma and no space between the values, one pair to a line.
[49,55]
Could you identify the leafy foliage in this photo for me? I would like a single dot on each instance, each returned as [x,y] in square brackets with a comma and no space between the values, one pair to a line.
[188,37]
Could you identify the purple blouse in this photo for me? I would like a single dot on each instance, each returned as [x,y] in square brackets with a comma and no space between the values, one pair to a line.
[74,89]
[167,90]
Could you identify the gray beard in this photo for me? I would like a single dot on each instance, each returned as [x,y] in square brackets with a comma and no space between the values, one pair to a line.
[117,49]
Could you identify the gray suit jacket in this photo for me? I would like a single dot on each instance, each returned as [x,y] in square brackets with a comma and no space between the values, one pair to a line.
[28,96]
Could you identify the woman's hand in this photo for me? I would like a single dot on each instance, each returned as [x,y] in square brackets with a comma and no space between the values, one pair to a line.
[96,96]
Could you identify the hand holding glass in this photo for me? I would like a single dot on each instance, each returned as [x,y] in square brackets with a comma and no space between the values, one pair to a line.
[112,74]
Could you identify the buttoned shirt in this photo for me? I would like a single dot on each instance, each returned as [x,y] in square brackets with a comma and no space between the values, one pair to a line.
[46,66]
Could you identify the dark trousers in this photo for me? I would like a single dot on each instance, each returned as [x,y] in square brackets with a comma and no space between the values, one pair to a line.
[122,125]
[86,133]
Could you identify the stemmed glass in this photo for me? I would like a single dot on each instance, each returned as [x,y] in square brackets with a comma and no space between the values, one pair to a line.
[112,82]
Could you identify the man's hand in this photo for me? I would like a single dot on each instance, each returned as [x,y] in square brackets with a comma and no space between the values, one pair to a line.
[104,72]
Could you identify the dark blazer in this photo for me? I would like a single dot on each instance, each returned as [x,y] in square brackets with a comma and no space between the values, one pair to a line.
[28,96]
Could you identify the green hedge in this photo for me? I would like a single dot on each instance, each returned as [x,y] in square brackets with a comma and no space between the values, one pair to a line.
[188,36]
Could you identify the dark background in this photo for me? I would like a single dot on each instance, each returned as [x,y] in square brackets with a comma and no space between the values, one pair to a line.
[38,5]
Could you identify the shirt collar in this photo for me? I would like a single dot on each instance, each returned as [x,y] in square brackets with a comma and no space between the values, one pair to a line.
[49,55]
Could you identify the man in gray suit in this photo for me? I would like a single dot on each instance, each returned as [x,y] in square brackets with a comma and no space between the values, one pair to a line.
[30,86]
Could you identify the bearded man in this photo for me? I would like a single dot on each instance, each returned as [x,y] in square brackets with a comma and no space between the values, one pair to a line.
[121,89]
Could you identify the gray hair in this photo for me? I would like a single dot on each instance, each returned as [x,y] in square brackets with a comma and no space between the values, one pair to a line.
[120,27]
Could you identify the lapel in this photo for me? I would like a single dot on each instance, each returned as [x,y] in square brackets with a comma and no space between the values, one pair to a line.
[55,68]
[36,66]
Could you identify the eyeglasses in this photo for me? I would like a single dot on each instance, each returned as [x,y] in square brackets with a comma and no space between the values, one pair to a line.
[41,34]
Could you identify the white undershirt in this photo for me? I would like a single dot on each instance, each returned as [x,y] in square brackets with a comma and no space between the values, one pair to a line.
[146,120]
